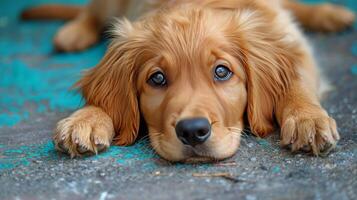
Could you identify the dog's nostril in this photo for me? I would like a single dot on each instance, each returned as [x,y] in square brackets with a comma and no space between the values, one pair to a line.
[193,131]
[202,132]
[183,140]
[184,137]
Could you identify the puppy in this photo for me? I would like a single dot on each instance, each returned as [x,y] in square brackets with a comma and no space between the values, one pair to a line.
[194,70]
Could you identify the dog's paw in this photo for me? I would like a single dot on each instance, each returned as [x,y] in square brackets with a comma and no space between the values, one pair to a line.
[87,131]
[75,36]
[332,18]
[317,134]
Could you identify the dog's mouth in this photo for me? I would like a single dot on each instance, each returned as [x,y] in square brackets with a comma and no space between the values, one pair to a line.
[198,155]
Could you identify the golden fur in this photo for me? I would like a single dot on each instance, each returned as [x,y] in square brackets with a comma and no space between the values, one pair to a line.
[275,77]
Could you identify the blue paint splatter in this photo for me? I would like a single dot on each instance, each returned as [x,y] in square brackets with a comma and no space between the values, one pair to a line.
[24,155]
[276,169]
[10,119]
[263,142]
[127,156]
[354,48]
[354,69]
[141,155]
[32,79]
[12,157]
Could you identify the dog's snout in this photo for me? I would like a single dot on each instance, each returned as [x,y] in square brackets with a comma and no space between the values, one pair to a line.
[193,131]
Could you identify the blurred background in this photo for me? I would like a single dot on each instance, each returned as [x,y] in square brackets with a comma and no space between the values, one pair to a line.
[35,93]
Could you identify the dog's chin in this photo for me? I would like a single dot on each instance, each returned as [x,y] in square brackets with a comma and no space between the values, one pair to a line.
[202,155]
[204,159]
[195,157]
[191,156]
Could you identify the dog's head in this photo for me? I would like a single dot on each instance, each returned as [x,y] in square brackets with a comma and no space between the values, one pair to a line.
[193,72]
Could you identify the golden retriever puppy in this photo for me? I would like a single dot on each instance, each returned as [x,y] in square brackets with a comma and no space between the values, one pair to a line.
[194,70]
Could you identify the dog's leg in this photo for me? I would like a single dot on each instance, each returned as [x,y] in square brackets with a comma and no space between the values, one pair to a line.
[88,130]
[305,125]
[321,17]
[79,34]
[84,31]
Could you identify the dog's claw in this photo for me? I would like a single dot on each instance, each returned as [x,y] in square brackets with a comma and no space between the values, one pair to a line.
[312,135]
[75,135]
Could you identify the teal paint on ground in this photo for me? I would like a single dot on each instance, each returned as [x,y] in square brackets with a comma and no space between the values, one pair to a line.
[141,155]
[354,69]
[354,48]
[12,157]
[276,169]
[32,78]
[42,86]
[263,142]
[23,155]
[9,119]
[138,151]
[127,156]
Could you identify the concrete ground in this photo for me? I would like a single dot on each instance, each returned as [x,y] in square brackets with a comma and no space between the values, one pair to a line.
[34,95]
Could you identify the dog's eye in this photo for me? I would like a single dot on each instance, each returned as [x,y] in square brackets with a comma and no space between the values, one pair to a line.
[222,73]
[157,79]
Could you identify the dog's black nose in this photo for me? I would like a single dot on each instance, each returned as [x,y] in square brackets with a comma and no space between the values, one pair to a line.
[193,131]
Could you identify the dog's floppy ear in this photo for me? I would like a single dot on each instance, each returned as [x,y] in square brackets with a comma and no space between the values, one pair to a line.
[269,74]
[269,60]
[111,85]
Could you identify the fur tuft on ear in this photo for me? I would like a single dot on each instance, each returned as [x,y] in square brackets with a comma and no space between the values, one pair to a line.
[111,85]
[269,59]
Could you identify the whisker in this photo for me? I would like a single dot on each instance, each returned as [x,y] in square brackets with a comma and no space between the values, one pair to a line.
[153,146]
[235,128]
[235,134]
[146,137]
[246,132]
[147,146]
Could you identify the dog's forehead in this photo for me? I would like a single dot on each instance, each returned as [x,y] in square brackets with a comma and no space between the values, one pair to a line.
[187,41]
[185,38]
